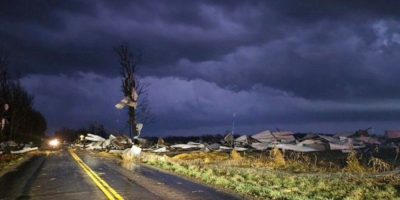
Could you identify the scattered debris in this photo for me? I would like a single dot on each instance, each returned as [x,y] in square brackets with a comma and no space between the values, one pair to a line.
[121,142]
[268,136]
[262,141]
[245,140]
[160,142]
[95,145]
[229,139]
[114,144]
[213,147]
[25,150]
[129,101]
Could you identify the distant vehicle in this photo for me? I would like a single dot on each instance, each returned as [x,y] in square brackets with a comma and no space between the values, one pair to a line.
[52,144]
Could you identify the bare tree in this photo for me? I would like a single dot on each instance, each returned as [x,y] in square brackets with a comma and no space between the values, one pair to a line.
[4,90]
[134,91]
[18,120]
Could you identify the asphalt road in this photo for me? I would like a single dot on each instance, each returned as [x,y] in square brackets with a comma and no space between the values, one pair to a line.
[59,176]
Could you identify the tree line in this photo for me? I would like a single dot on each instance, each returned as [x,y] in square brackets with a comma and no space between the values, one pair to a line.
[18,119]
[71,135]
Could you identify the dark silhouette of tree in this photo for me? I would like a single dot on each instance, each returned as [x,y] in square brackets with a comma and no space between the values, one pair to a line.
[97,129]
[23,123]
[69,135]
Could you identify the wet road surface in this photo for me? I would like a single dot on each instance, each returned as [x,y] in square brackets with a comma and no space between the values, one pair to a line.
[58,176]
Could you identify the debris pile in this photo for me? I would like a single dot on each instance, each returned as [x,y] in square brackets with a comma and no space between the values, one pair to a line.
[14,148]
[262,141]
[287,141]
[114,144]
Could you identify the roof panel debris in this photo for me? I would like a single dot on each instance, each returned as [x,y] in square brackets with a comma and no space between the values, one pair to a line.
[262,141]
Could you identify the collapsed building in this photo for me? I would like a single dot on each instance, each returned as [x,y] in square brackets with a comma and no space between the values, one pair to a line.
[286,140]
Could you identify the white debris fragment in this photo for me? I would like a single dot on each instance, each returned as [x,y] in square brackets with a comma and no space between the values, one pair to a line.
[189,145]
[120,106]
[345,146]
[95,145]
[139,127]
[225,148]
[131,153]
[294,147]
[107,142]
[240,149]
[116,151]
[25,150]
[127,101]
[161,150]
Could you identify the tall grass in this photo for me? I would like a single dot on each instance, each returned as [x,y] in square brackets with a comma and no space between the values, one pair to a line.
[274,176]
[353,164]
[278,158]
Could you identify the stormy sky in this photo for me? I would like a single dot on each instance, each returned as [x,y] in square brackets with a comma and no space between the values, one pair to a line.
[326,66]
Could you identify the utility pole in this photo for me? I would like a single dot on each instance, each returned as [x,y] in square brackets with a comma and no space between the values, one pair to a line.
[233,123]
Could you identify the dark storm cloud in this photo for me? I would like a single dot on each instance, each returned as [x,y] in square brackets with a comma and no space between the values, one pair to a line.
[62,37]
[77,100]
[196,107]
[314,58]
[313,63]
[83,38]
[47,14]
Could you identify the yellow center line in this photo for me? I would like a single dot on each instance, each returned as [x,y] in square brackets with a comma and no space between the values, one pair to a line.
[104,187]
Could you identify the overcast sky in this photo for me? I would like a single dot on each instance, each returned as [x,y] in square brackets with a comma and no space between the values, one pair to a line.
[312,65]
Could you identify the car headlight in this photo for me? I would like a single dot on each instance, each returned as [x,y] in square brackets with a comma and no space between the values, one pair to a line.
[54,142]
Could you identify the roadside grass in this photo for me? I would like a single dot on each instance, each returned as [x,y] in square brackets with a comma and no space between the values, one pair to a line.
[274,176]
[9,162]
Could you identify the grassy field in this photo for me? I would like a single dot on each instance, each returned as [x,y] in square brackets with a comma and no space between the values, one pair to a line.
[276,176]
